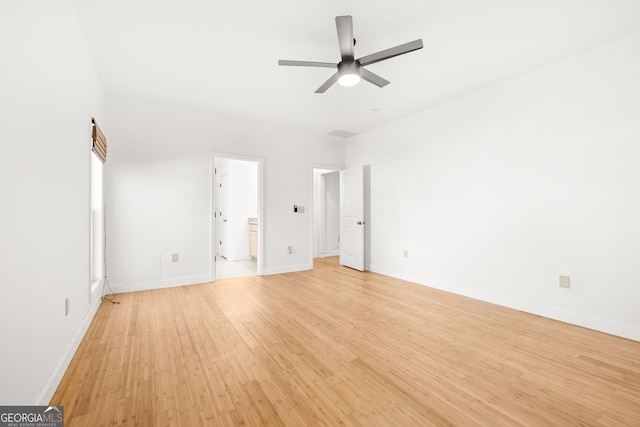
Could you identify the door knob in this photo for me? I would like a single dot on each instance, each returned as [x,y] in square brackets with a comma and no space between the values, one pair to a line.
[360,222]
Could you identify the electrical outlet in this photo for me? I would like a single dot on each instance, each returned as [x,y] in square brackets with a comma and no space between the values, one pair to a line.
[67,306]
[174,257]
[406,253]
[289,249]
[565,282]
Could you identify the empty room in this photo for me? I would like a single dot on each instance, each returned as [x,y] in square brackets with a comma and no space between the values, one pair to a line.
[409,213]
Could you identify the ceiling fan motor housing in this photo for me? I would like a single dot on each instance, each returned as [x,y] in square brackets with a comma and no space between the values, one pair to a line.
[349,67]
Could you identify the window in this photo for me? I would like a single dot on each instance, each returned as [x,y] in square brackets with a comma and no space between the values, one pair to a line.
[98,221]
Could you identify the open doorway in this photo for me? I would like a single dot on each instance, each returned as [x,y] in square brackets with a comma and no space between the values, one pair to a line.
[237,213]
[325,238]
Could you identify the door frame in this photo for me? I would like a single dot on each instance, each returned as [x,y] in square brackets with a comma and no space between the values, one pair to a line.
[313,207]
[212,206]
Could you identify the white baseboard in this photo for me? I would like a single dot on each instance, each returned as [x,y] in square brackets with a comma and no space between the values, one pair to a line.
[286,269]
[624,330]
[396,274]
[119,288]
[56,376]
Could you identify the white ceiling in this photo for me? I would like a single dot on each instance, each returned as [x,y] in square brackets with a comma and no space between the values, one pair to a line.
[222,55]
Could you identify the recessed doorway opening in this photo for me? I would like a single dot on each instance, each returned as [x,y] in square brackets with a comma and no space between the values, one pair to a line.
[325,230]
[236,216]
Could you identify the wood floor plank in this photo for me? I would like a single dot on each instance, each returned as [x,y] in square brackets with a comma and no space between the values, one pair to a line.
[334,346]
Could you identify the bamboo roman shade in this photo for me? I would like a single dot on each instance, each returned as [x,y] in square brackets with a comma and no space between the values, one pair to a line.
[99,145]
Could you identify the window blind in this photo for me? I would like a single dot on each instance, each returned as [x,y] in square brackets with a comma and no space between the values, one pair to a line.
[99,145]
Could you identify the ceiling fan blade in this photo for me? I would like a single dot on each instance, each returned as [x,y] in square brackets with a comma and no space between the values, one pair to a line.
[326,85]
[307,63]
[373,78]
[391,52]
[344,24]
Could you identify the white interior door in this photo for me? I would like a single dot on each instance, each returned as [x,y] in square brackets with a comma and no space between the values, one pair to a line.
[352,218]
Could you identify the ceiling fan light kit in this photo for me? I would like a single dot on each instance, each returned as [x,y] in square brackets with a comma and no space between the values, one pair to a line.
[349,73]
[350,70]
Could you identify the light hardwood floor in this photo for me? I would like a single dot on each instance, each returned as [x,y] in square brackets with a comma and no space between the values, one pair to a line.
[334,346]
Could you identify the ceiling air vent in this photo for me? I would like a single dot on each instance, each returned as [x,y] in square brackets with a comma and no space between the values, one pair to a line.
[342,133]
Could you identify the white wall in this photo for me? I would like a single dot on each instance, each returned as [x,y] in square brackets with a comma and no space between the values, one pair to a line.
[497,193]
[155,209]
[159,181]
[48,93]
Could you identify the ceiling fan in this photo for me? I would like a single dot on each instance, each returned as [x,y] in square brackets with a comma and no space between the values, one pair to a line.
[351,70]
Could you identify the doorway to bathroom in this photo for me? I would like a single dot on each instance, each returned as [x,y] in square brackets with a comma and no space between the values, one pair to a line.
[237,208]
